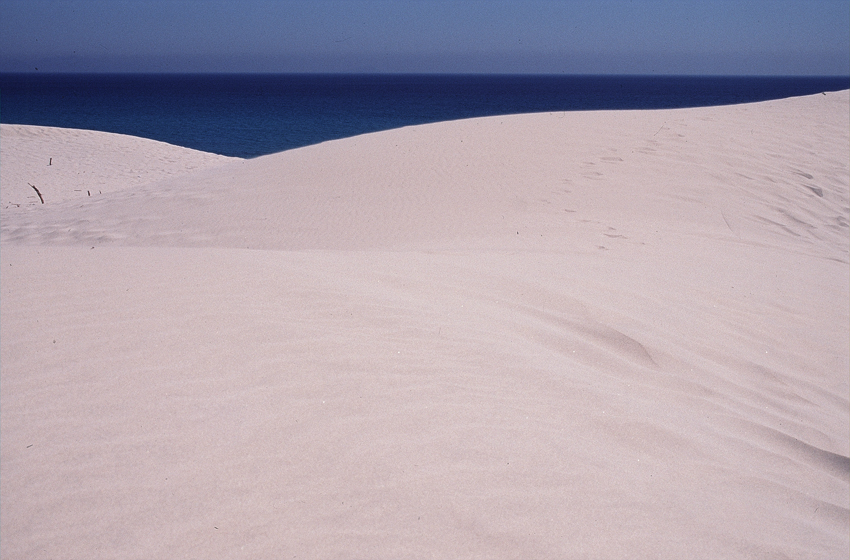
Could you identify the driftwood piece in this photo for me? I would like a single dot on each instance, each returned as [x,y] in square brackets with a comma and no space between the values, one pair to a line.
[41,198]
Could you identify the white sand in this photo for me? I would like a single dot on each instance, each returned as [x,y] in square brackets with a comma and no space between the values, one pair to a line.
[571,335]
[66,163]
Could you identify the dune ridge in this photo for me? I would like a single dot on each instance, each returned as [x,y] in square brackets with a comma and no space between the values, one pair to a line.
[610,334]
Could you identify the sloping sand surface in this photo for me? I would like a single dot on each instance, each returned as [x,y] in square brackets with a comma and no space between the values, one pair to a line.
[67,163]
[571,335]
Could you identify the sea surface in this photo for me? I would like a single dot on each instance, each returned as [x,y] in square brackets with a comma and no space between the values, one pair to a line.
[249,115]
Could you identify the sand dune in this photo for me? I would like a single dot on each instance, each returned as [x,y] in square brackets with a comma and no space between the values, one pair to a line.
[71,164]
[698,172]
[572,335]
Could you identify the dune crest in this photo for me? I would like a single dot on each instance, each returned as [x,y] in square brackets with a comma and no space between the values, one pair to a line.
[730,173]
[72,164]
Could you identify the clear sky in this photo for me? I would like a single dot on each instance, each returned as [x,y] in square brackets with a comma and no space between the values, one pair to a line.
[756,37]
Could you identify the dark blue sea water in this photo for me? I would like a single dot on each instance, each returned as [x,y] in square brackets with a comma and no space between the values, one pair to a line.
[250,115]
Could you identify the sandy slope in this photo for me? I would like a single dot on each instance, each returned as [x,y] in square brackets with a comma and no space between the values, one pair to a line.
[580,335]
[67,163]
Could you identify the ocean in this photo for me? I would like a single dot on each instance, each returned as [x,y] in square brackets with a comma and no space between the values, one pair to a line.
[247,115]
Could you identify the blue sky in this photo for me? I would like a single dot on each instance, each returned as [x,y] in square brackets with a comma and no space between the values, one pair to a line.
[755,37]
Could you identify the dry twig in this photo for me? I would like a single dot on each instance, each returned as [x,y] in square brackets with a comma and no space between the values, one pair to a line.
[41,198]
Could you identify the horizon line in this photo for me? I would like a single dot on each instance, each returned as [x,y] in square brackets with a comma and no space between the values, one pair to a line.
[355,73]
